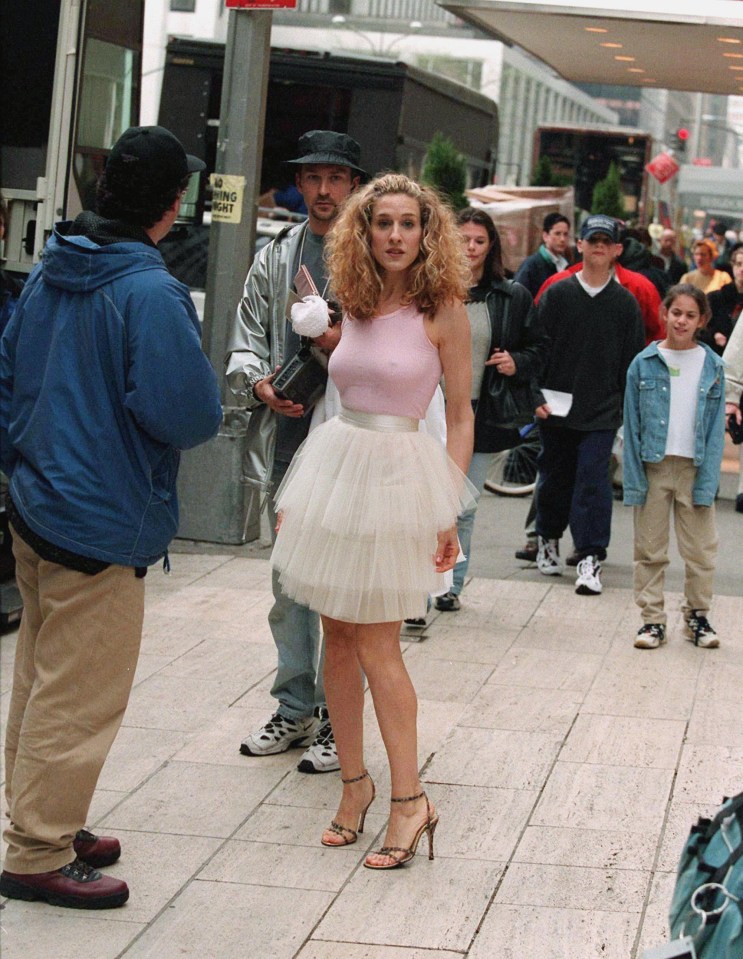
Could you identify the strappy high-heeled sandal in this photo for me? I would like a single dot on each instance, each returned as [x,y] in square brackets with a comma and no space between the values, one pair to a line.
[429,826]
[348,835]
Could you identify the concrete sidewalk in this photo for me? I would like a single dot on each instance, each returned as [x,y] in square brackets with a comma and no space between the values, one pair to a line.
[567,768]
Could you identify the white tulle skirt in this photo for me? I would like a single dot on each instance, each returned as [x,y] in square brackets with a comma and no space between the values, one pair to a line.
[361,506]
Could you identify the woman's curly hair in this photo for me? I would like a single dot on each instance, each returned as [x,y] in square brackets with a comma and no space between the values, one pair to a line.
[439,274]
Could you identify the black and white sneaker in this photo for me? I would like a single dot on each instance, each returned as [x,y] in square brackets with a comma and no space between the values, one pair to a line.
[588,580]
[322,755]
[280,734]
[448,602]
[699,630]
[548,557]
[650,636]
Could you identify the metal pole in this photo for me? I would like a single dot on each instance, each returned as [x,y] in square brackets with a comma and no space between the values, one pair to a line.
[239,152]
[215,506]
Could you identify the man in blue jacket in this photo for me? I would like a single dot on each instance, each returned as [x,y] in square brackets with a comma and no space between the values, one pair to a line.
[102,383]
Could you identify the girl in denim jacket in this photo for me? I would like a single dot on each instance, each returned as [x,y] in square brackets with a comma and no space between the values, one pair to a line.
[674,430]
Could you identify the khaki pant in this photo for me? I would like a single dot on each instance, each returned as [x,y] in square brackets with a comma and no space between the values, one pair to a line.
[77,650]
[670,484]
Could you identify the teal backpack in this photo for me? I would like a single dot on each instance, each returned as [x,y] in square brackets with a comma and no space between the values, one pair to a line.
[707,901]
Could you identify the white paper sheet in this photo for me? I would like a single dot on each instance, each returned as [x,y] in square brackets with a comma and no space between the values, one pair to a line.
[559,403]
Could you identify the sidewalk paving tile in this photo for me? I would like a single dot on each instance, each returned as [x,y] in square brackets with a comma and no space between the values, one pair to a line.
[573,887]
[495,757]
[138,753]
[521,708]
[286,866]
[623,741]
[654,929]
[540,932]
[436,905]
[194,799]
[608,798]
[708,773]
[594,849]
[479,822]
[32,931]
[156,867]
[539,668]
[302,826]
[212,919]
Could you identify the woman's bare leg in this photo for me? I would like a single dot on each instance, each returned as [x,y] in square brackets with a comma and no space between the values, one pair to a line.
[396,707]
[344,692]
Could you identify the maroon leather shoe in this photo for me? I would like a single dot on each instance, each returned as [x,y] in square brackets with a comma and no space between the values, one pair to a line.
[76,886]
[97,851]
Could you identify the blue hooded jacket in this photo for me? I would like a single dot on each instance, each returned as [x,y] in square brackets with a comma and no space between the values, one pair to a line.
[102,382]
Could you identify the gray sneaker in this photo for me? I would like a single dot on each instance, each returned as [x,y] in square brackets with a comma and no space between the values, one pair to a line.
[322,755]
[548,557]
[280,734]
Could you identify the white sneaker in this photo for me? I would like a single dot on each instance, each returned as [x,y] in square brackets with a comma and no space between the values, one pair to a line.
[588,581]
[322,755]
[280,734]
[650,636]
[548,557]
[699,630]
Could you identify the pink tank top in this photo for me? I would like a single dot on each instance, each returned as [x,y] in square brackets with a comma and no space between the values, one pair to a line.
[386,364]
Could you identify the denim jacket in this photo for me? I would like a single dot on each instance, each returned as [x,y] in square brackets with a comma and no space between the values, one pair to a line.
[647,403]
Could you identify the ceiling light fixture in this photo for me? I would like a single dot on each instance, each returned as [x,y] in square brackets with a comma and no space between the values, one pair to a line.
[735,66]
[595,29]
[635,70]
[626,59]
[728,40]
[734,56]
[612,46]
[648,80]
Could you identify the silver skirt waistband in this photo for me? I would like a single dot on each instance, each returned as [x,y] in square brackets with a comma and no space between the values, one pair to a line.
[380,422]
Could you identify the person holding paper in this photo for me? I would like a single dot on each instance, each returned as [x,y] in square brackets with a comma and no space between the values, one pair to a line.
[595,330]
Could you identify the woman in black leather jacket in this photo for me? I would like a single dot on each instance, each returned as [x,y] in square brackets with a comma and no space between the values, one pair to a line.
[509,347]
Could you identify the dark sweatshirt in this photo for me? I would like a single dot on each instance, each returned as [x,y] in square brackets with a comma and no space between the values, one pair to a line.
[593,340]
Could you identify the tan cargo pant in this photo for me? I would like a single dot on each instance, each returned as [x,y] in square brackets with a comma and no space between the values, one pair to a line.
[77,651]
[670,484]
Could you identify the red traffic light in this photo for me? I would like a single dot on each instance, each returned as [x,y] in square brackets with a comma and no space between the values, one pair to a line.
[682,134]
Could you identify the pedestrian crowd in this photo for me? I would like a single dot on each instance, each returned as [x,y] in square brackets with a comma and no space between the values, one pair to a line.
[382,297]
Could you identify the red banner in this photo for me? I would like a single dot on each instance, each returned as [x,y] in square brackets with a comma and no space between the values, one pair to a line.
[662,167]
[260,4]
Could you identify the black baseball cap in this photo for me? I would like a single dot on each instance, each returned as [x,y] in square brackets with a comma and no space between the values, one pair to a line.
[153,153]
[328,147]
[600,223]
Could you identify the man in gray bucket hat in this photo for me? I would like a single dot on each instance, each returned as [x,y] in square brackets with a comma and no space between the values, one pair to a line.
[326,171]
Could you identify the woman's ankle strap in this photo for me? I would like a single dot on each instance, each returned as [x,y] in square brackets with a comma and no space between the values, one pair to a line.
[408,798]
[356,779]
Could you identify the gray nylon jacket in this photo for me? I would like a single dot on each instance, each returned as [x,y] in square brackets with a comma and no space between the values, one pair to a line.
[256,347]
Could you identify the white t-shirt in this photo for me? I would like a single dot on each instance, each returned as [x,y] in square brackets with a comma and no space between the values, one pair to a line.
[593,290]
[685,368]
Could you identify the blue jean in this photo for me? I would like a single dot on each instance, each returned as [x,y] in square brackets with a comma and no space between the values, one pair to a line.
[296,632]
[476,474]
[574,487]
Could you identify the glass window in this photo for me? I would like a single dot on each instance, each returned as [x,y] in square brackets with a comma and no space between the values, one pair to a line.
[183,6]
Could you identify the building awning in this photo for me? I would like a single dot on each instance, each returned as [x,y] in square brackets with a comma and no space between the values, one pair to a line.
[625,42]
[715,189]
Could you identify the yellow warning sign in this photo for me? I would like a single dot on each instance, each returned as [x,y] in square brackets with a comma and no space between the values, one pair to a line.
[227,197]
